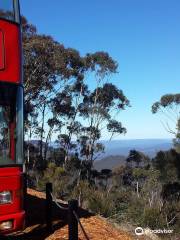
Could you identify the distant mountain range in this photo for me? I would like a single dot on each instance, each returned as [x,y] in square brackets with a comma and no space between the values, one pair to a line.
[116,151]
[122,147]
[148,146]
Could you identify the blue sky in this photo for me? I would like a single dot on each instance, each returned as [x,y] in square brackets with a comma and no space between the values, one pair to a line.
[142,36]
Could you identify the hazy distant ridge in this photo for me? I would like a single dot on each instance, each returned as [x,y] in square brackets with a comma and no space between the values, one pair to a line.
[148,146]
[116,151]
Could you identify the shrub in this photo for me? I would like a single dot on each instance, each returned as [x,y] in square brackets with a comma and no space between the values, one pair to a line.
[102,203]
[82,191]
[57,176]
[153,218]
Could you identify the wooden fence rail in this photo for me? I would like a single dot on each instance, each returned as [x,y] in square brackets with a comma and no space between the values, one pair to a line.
[72,210]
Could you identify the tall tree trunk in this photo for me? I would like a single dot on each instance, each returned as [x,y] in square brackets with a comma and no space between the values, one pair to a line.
[48,138]
[42,133]
[137,188]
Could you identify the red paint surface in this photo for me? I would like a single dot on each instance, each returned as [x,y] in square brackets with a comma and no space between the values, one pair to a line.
[11,179]
[2,56]
[12,52]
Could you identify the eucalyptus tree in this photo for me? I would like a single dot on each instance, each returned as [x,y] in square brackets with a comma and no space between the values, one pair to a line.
[101,105]
[86,111]
[48,67]
[167,162]
[137,159]
[169,106]
[59,99]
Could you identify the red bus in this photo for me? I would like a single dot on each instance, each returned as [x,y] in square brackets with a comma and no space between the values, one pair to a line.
[12,212]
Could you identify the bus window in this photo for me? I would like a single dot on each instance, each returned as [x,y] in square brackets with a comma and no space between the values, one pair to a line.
[4,136]
[11,124]
[7,10]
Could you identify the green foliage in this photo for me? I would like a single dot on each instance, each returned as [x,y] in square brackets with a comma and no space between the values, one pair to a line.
[169,105]
[115,127]
[155,204]
[82,191]
[135,210]
[153,218]
[57,176]
[168,100]
[137,158]
[102,203]
[168,164]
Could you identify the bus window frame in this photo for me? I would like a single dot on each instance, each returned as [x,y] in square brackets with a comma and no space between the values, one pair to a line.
[16,13]
[16,8]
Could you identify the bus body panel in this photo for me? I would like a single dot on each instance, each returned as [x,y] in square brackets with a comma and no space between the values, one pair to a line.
[10,56]
[11,169]
[18,221]
[11,178]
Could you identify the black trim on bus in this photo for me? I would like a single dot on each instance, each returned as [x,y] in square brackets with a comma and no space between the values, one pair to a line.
[10,21]
[11,165]
[12,83]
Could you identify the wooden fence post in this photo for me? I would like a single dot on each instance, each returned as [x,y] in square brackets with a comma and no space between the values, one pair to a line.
[72,221]
[49,206]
